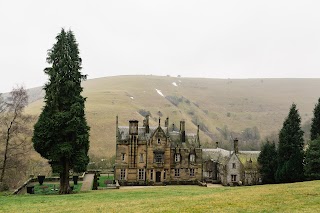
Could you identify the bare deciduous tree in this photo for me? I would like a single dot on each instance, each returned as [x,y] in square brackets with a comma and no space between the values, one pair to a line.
[15,133]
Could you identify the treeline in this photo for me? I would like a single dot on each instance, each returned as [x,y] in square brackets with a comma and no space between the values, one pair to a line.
[291,160]
[250,138]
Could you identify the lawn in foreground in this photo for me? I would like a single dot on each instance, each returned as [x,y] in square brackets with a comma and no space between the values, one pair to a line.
[296,197]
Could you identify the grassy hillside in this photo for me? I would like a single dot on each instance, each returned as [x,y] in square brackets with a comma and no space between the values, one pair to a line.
[213,103]
[296,197]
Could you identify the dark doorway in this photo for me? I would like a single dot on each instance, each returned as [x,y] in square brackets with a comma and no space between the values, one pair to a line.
[158,176]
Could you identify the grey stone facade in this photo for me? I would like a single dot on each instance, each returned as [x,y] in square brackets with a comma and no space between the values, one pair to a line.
[231,167]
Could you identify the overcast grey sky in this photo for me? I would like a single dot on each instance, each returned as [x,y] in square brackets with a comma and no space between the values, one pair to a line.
[216,39]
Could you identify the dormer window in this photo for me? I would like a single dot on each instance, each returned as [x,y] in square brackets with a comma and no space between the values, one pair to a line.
[159,141]
[177,157]
[192,158]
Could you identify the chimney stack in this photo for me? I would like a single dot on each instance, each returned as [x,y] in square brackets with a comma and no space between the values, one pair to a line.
[236,148]
[217,145]
[147,124]
[183,131]
[133,127]
[117,126]
[166,123]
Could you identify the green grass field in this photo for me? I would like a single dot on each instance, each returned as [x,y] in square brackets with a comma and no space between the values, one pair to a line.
[296,197]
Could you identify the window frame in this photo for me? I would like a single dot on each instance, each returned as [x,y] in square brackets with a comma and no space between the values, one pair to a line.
[141,160]
[122,174]
[158,158]
[177,158]
[151,174]
[141,174]
[234,166]
[192,158]
[191,172]
[177,172]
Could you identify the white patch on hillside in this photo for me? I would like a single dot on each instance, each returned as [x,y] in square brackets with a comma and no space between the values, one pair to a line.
[180,81]
[159,92]
[174,84]
[131,97]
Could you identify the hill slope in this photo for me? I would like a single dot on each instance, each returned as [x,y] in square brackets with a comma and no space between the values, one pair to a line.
[219,106]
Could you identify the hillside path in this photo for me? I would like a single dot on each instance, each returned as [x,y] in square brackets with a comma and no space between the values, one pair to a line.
[87,182]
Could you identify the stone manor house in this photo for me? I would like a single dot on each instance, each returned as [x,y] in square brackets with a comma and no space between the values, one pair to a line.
[160,155]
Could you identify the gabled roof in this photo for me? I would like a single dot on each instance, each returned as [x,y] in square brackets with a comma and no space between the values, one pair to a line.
[223,156]
[175,138]
[249,158]
[217,155]
[191,140]
[124,132]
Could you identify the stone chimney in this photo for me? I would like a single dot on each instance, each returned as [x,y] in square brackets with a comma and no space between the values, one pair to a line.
[235,143]
[147,124]
[133,127]
[217,145]
[183,131]
[166,123]
[117,126]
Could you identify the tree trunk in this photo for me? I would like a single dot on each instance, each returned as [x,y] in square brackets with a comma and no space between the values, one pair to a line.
[4,161]
[64,178]
[6,149]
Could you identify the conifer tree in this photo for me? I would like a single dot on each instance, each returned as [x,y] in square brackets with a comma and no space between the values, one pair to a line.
[312,160]
[315,125]
[290,150]
[61,134]
[268,162]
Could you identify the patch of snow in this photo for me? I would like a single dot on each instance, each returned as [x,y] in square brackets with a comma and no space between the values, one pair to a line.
[131,97]
[159,92]
[174,84]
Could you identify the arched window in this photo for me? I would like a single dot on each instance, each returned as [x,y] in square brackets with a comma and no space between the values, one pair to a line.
[192,158]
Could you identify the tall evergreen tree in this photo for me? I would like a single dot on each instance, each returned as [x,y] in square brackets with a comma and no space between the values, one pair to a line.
[290,150]
[315,125]
[268,162]
[312,160]
[61,133]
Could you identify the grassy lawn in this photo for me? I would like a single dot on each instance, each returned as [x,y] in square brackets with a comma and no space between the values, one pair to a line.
[296,197]
[102,180]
